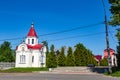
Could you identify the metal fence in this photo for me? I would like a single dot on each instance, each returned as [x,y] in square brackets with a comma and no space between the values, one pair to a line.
[6,65]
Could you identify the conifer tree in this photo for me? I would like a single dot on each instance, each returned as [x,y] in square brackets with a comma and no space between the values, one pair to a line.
[83,56]
[90,56]
[70,58]
[62,58]
[78,54]
[51,61]
[6,54]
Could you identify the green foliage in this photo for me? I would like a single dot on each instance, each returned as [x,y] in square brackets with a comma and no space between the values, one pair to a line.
[77,54]
[6,54]
[117,74]
[118,35]
[70,58]
[104,62]
[24,70]
[83,56]
[51,60]
[47,59]
[118,55]
[62,58]
[114,74]
[115,21]
[80,57]
[115,10]
[90,56]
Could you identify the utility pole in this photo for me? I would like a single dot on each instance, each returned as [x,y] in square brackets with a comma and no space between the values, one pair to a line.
[107,45]
[107,39]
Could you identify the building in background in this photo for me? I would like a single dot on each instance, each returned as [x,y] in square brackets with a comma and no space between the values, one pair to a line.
[112,55]
[98,58]
[30,53]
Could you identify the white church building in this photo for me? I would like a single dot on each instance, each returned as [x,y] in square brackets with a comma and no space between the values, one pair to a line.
[30,53]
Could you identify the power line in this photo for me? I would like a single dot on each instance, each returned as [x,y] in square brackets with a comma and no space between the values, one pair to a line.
[53,33]
[93,34]
[87,35]
[77,28]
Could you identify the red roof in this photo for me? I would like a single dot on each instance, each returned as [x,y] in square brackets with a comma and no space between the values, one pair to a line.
[16,47]
[99,57]
[37,46]
[32,32]
[109,49]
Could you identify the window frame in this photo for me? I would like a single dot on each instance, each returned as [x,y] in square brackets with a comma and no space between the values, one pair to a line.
[28,41]
[22,59]
[33,41]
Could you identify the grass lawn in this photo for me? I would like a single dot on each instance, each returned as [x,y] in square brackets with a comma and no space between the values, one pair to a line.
[24,70]
[115,74]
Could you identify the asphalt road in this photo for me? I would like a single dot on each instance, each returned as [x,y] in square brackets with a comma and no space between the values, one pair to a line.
[49,76]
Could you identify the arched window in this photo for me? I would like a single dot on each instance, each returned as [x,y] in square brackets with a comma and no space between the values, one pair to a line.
[22,59]
[32,41]
[28,41]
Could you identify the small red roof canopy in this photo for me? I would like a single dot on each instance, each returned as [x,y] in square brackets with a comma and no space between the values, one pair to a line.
[32,32]
[35,47]
[38,46]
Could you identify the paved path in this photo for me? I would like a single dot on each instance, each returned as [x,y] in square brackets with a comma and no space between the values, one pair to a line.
[53,76]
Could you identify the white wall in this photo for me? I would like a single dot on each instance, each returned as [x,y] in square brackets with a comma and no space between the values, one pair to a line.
[28,55]
[36,54]
[27,59]
[30,38]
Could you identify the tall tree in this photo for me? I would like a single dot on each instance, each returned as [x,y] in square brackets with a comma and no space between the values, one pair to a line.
[115,21]
[115,10]
[62,58]
[115,18]
[91,58]
[51,61]
[6,54]
[118,48]
[118,54]
[70,58]
[118,35]
[79,54]
[83,56]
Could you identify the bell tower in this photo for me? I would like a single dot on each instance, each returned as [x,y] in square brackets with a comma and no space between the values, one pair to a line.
[31,38]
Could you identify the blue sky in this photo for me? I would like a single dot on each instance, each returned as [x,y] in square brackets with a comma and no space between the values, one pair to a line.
[51,16]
